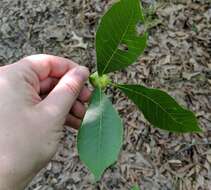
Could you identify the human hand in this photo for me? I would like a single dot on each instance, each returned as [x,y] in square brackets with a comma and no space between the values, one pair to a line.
[31,127]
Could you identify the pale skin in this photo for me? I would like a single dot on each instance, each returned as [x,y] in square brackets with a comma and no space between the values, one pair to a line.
[39,95]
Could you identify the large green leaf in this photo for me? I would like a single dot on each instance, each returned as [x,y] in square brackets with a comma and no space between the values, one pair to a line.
[118,42]
[160,109]
[100,136]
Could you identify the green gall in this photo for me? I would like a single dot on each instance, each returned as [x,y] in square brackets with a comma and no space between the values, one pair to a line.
[99,81]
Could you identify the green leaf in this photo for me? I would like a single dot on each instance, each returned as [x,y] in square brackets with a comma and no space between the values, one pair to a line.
[100,135]
[118,42]
[160,109]
[136,187]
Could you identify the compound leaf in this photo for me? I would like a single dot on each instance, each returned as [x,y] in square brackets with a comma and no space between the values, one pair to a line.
[160,109]
[120,38]
[100,135]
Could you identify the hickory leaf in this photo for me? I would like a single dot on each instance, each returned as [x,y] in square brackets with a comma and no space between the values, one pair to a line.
[160,109]
[119,39]
[100,136]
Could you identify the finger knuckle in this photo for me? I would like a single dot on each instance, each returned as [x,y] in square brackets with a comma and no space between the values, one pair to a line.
[73,87]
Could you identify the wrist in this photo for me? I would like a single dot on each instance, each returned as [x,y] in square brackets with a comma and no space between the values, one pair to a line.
[9,181]
[10,178]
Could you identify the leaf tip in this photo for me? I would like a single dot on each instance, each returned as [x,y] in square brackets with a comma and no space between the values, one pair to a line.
[198,130]
[97,177]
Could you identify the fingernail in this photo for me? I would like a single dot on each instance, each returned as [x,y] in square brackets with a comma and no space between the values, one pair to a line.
[81,72]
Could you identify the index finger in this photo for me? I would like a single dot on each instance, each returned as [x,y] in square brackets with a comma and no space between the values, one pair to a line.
[46,66]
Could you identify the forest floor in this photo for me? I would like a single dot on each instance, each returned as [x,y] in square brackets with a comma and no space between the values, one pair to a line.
[177,60]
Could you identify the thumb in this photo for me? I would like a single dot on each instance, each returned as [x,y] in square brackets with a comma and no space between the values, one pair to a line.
[63,96]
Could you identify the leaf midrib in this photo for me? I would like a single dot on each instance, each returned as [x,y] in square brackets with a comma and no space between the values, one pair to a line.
[100,130]
[141,94]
